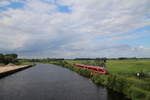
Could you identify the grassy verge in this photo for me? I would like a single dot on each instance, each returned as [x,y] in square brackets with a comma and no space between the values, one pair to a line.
[24,62]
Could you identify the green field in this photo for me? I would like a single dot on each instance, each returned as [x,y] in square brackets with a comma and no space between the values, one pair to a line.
[130,66]
[122,66]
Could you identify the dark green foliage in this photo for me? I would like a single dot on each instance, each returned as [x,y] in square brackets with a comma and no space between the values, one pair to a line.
[84,72]
[8,58]
[1,58]
[138,94]
[136,90]
[100,62]
[47,60]
[148,96]
[100,79]
[95,62]
[139,83]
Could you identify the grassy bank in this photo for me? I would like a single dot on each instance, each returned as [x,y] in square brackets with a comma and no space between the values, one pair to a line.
[118,80]
[25,62]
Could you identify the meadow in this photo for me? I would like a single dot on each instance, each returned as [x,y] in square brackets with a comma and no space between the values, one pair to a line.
[130,65]
[126,67]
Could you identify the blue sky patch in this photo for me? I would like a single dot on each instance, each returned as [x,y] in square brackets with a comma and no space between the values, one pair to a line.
[14,5]
[64,9]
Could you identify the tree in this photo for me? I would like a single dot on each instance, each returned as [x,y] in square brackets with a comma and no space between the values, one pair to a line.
[100,62]
[8,58]
[1,58]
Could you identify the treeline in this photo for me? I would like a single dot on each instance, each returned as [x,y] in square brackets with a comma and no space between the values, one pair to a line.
[87,61]
[43,60]
[104,58]
[90,58]
[8,58]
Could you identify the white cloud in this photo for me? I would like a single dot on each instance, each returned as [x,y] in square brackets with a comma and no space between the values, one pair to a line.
[13,42]
[40,27]
[4,3]
[40,7]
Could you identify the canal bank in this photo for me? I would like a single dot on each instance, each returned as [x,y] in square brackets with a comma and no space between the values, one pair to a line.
[8,70]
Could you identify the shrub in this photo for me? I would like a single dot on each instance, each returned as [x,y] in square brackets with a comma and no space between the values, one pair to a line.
[85,72]
[139,83]
[137,93]
[148,96]
[8,58]
[111,81]
[100,79]
[120,84]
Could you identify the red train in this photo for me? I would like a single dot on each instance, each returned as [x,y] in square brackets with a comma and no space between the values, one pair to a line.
[98,69]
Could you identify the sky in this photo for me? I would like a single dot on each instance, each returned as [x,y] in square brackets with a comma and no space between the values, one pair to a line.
[75,28]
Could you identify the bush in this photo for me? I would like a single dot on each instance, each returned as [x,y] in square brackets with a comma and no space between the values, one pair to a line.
[120,84]
[139,83]
[8,58]
[1,58]
[137,93]
[148,96]
[100,79]
[85,72]
[111,81]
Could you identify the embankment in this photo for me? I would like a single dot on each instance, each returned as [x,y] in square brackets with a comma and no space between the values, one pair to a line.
[8,70]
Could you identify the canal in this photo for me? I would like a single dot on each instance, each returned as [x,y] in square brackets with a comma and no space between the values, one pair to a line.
[50,82]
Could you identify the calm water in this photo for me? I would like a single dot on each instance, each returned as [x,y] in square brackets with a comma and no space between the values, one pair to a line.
[50,82]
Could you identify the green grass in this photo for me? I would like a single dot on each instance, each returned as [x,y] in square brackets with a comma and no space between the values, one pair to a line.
[130,66]
[22,62]
[127,67]
[123,66]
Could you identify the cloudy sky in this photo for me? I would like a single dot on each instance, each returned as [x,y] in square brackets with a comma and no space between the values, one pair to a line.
[75,28]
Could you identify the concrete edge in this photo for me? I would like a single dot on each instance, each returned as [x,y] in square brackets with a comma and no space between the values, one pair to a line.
[4,74]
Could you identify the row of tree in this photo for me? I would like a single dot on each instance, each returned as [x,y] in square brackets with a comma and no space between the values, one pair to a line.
[8,58]
[87,61]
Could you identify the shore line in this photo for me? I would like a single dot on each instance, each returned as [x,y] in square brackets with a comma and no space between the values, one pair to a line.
[11,71]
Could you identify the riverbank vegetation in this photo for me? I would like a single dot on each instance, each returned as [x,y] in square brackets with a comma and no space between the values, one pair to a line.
[8,58]
[25,62]
[12,59]
[122,78]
